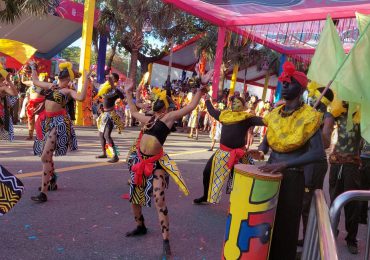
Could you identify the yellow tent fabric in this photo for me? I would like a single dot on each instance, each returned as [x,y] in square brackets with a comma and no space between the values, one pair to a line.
[18,50]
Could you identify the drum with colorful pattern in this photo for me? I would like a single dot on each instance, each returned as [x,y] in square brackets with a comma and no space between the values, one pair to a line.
[250,222]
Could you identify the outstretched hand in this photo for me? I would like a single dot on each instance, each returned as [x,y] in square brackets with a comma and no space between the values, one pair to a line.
[207,77]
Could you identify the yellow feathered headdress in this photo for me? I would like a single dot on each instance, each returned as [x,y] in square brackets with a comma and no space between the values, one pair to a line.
[313,92]
[3,72]
[104,89]
[42,76]
[161,95]
[67,66]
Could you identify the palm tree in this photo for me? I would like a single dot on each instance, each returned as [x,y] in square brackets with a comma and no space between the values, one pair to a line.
[126,19]
[11,10]
[237,51]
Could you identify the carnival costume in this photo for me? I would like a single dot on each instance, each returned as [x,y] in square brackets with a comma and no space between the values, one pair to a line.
[11,190]
[345,171]
[60,120]
[108,119]
[315,172]
[295,139]
[35,105]
[55,134]
[6,120]
[142,167]
[232,151]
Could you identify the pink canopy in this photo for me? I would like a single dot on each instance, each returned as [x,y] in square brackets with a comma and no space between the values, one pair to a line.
[288,26]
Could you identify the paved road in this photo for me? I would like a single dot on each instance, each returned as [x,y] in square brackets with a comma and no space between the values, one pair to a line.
[87,218]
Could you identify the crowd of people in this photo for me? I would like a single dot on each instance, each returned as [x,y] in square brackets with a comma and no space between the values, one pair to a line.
[294,134]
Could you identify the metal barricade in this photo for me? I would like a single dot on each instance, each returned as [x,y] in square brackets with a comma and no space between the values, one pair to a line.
[341,201]
[319,240]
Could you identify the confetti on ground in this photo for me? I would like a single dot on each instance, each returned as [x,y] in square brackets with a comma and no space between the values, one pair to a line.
[125,196]
[27,226]
[32,238]
[60,249]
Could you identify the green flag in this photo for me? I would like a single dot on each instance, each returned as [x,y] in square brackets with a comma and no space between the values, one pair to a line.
[353,79]
[328,57]
[362,21]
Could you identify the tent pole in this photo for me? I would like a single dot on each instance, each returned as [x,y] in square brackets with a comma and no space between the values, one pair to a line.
[103,40]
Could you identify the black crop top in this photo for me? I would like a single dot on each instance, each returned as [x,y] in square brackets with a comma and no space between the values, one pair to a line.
[159,130]
[111,97]
[56,96]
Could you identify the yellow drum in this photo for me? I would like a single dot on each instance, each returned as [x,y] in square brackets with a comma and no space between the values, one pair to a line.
[250,222]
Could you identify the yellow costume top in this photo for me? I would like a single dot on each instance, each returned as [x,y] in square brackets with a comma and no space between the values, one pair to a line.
[288,133]
[231,117]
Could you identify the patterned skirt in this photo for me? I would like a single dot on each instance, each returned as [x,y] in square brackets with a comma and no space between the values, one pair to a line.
[65,139]
[107,117]
[11,190]
[4,134]
[142,194]
[6,124]
[219,172]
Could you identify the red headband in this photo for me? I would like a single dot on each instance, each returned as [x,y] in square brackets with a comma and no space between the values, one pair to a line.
[289,72]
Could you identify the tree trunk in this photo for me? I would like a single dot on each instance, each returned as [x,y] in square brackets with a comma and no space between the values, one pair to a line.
[133,65]
[111,56]
[95,40]
[144,66]
[222,78]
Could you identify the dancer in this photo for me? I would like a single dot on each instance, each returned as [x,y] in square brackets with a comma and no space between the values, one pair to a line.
[294,136]
[8,97]
[149,166]
[345,174]
[35,105]
[235,124]
[54,129]
[107,120]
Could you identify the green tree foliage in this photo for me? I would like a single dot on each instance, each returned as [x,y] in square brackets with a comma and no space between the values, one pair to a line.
[72,54]
[125,20]
[237,51]
[11,10]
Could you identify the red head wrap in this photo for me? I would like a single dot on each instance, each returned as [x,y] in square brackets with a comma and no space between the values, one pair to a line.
[289,72]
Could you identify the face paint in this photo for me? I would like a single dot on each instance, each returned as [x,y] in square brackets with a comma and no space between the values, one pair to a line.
[237,105]
[291,90]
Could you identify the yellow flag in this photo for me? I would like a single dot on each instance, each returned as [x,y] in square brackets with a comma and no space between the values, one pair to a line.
[18,50]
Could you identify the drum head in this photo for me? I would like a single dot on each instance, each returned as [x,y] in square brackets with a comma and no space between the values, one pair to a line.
[253,171]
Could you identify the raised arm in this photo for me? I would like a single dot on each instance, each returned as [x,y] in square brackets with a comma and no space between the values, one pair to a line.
[174,115]
[8,87]
[80,96]
[128,91]
[35,78]
[212,111]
